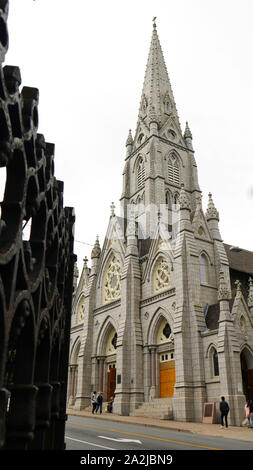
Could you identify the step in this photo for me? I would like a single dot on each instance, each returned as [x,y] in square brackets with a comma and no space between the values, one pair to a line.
[160,408]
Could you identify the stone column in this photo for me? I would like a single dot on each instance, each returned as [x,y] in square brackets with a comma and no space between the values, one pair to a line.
[72,384]
[152,394]
[153,366]
[101,373]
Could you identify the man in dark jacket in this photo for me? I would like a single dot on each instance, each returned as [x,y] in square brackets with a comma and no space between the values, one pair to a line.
[99,402]
[224,409]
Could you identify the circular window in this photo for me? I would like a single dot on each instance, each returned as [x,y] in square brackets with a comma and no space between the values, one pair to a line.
[161,275]
[112,280]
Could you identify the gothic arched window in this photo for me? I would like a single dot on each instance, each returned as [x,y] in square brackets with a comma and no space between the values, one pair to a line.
[164,333]
[203,264]
[175,198]
[140,173]
[215,363]
[111,343]
[140,139]
[167,199]
[173,170]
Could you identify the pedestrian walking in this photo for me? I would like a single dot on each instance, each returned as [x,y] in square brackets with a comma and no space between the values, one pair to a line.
[99,403]
[251,414]
[247,411]
[224,410]
[94,401]
[109,406]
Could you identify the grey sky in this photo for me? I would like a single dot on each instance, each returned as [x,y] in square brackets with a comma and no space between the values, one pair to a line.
[88,60]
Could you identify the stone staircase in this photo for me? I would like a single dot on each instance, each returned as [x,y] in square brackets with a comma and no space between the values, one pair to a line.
[159,408]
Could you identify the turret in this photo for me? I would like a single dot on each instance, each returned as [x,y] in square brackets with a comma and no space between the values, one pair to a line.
[212,217]
[95,255]
[224,296]
[188,137]
[129,144]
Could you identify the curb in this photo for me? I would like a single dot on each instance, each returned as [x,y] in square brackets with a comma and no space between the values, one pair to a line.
[118,420]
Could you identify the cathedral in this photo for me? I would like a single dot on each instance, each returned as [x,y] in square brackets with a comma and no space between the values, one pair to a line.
[162,320]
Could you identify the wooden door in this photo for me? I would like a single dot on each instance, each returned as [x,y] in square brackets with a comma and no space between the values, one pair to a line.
[111,383]
[167,379]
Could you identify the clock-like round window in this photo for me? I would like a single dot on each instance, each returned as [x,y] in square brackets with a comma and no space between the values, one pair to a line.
[112,285]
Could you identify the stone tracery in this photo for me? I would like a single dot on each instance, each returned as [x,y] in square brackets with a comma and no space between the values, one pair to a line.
[112,285]
[161,275]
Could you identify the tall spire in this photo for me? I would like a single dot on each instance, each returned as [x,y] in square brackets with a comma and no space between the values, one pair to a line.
[157,97]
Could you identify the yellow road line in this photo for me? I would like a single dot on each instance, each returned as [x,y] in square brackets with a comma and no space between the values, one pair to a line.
[143,435]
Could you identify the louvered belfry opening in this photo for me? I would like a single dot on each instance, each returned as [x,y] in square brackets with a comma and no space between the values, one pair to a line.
[36,272]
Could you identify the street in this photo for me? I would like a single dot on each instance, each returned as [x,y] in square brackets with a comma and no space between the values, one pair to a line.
[96,434]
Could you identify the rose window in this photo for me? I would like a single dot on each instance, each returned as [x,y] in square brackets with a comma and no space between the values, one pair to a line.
[161,275]
[112,280]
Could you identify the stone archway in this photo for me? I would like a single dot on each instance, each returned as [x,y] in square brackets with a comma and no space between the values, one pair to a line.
[107,359]
[73,369]
[166,355]
[247,372]
[162,356]
[110,354]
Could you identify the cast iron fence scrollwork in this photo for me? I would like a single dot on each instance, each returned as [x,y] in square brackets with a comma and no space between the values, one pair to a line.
[36,273]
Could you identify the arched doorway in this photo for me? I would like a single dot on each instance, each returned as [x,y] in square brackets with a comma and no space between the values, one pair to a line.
[73,369]
[110,353]
[247,372]
[165,349]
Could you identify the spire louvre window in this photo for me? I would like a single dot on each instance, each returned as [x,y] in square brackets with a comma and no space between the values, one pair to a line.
[173,170]
[141,174]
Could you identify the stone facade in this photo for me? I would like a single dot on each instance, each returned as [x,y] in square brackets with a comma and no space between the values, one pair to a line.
[159,315]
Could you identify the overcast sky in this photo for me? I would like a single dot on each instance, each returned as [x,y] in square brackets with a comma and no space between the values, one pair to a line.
[88,60]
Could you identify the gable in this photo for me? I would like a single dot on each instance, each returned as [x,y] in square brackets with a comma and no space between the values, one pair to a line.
[199,223]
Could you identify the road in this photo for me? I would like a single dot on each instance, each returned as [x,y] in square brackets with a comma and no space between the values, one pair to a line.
[97,434]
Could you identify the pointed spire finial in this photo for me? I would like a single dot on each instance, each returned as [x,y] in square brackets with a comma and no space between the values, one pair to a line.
[187,132]
[238,285]
[129,138]
[211,212]
[154,23]
[96,251]
[112,206]
[85,261]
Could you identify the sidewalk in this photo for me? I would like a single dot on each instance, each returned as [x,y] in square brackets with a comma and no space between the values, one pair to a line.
[233,432]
